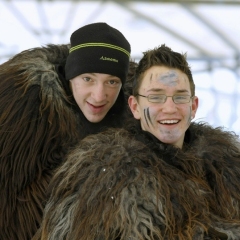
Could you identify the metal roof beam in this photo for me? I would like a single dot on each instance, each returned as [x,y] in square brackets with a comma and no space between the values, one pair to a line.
[201,50]
[210,26]
[209,2]
[21,18]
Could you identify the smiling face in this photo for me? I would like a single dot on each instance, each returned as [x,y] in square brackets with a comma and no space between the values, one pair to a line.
[167,121]
[95,94]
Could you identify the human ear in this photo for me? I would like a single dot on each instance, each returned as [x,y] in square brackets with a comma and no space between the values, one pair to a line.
[194,106]
[133,104]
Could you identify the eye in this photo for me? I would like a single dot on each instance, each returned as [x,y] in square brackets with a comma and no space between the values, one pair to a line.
[87,79]
[157,97]
[114,82]
[179,97]
[154,96]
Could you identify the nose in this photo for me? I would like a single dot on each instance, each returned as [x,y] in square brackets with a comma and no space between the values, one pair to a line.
[169,106]
[99,93]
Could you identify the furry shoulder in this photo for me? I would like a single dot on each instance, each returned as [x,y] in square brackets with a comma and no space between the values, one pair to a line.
[37,125]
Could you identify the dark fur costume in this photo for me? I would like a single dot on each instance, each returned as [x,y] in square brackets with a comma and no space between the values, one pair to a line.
[121,185]
[39,123]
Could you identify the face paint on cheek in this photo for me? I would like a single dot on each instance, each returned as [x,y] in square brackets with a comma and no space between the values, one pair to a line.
[190,114]
[169,79]
[145,116]
[148,116]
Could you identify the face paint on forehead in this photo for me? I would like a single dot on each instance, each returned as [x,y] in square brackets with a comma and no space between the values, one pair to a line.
[151,77]
[169,79]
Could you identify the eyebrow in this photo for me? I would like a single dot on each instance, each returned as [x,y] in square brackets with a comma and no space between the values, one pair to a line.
[95,74]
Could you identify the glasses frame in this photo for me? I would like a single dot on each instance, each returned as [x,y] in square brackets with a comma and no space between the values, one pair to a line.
[165,98]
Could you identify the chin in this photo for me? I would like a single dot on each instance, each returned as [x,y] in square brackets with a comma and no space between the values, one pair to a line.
[95,119]
[168,139]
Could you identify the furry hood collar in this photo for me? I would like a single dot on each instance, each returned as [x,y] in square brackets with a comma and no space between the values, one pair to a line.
[126,184]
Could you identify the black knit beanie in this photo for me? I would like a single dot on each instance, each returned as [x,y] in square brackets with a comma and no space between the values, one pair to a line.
[98,48]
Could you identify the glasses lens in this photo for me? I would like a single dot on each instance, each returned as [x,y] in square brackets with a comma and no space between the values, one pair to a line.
[181,99]
[157,98]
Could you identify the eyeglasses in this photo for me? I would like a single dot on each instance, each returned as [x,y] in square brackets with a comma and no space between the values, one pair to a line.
[161,98]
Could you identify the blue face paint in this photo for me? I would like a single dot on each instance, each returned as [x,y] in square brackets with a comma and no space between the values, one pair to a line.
[169,79]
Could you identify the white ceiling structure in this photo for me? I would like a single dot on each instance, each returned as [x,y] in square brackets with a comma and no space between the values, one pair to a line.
[208,31]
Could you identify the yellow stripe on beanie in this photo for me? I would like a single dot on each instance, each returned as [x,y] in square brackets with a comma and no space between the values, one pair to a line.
[99,45]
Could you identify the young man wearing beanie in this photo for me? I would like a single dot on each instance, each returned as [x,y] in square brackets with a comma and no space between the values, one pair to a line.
[51,98]
[97,67]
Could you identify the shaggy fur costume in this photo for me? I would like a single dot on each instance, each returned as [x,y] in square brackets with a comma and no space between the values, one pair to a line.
[128,185]
[39,123]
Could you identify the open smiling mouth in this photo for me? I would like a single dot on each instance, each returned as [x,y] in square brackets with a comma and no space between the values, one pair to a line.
[169,121]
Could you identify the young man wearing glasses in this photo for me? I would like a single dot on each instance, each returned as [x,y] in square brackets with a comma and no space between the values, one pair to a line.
[164,99]
[164,102]
[162,177]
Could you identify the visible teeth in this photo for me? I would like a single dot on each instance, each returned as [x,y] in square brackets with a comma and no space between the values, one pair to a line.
[169,121]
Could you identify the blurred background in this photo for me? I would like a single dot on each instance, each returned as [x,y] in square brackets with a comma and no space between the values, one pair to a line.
[208,31]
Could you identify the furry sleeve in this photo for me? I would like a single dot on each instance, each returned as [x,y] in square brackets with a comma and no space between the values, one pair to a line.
[114,187]
[37,125]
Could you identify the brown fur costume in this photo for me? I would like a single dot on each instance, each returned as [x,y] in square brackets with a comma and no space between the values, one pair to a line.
[118,185]
[39,123]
